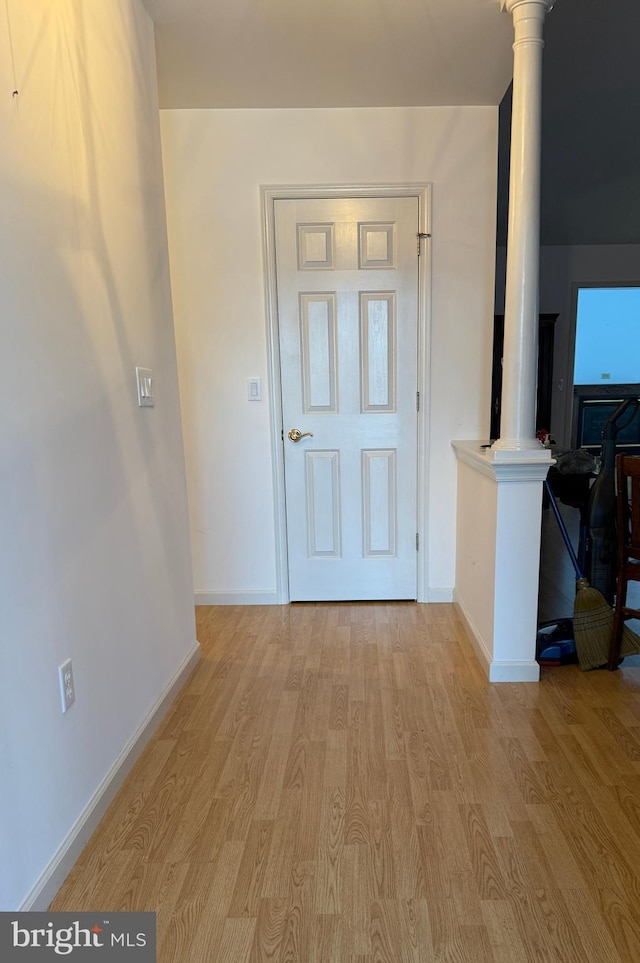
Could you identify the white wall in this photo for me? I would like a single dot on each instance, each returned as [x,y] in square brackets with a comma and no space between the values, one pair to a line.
[94,554]
[562,270]
[215,162]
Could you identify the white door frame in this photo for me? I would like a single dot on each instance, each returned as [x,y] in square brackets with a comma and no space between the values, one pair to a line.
[269,194]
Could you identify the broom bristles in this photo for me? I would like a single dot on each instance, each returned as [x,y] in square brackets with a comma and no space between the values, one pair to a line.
[592,628]
[592,625]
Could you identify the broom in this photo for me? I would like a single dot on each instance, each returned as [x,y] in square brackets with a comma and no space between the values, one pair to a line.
[592,614]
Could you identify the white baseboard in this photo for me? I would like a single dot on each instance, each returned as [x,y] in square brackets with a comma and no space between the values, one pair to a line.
[514,671]
[480,649]
[440,595]
[496,670]
[271,598]
[50,881]
[236,598]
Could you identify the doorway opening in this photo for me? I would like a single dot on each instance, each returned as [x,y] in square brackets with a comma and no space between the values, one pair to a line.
[270,197]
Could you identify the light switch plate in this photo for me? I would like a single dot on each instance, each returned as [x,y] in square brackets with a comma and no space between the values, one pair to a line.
[144,381]
[254,389]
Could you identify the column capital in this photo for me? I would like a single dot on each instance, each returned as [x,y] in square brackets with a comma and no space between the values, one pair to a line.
[510,5]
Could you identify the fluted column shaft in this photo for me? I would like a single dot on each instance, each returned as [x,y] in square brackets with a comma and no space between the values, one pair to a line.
[520,356]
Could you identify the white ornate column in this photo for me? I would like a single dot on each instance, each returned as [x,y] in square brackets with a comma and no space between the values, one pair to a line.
[500,488]
[520,361]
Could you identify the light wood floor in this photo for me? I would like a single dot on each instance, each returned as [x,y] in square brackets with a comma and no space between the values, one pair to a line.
[339,784]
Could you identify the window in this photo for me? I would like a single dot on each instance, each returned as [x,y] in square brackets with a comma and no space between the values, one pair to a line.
[607,336]
[606,365]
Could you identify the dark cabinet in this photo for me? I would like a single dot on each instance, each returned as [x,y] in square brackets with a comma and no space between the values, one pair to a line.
[545,372]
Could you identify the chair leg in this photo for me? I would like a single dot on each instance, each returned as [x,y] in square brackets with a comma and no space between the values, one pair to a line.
[614,645]
[618,622]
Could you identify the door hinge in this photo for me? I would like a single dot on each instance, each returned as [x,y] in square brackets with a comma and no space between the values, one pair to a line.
[417,401]
[417,542]
[419,236]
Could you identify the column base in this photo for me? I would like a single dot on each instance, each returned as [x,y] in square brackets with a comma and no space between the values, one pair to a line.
[498,554]
[527,445]
[496,670]
[534,456]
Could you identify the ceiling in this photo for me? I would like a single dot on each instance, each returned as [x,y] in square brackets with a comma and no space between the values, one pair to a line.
[346,53]
[331,53]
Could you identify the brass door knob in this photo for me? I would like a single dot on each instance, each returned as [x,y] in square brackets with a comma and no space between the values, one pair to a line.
[294,434]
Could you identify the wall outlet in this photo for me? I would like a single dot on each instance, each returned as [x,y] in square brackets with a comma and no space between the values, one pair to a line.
[67,687]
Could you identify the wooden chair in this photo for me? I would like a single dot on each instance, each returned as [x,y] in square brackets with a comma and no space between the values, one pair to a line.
[628,536]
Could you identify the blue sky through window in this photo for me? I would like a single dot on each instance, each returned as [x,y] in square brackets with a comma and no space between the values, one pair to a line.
[607,336]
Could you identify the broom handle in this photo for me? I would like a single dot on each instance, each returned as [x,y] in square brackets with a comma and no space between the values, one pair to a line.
[563,528]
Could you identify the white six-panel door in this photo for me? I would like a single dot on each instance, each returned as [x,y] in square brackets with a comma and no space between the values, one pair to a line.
[347,282]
